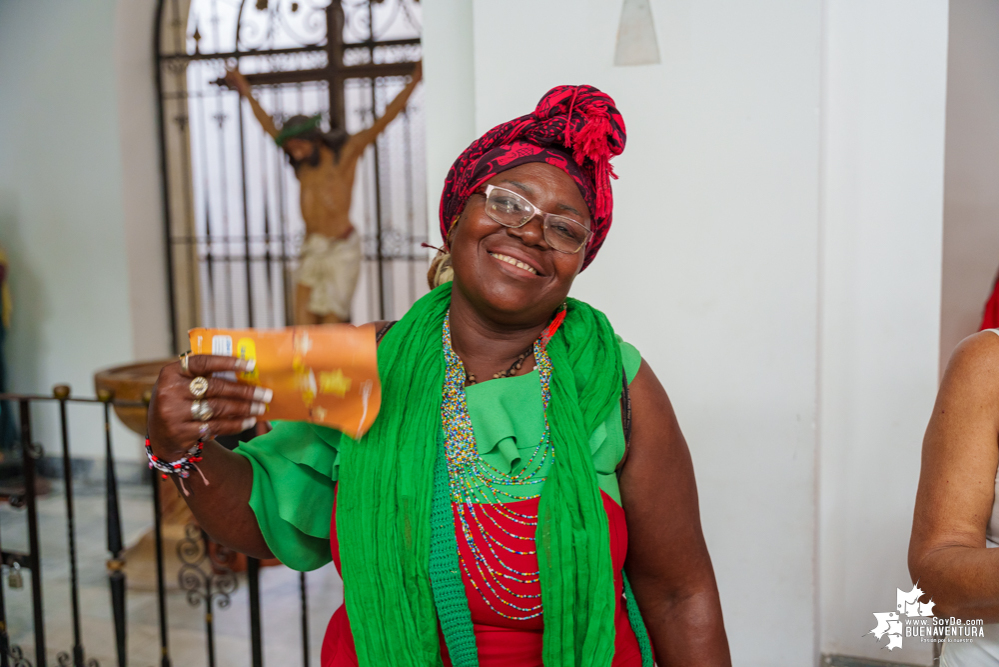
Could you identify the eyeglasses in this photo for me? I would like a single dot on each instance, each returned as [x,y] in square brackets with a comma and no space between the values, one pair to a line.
[512,210]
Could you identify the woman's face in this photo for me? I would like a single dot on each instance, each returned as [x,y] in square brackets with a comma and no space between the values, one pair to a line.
[485,254]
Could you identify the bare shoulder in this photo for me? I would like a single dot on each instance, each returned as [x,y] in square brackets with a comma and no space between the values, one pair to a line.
[647,391]
[965,420]
[978,353]
[656,438]
[973,369]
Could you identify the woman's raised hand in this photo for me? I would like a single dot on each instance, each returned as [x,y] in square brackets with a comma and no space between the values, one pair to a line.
[188,404]
[236,80]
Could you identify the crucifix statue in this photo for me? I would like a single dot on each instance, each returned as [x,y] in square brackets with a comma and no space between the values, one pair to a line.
[325,164]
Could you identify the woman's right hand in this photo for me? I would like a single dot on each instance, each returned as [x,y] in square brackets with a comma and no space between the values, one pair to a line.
[173,423]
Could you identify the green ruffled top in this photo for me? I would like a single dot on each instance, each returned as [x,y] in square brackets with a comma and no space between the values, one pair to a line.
[296,465]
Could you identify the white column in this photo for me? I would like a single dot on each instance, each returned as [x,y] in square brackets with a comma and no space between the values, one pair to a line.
[882,203]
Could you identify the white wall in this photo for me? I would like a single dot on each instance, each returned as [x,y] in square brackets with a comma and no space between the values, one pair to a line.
[450,117]
[142,202]
[883,141]
[775,256]
[971,199]
[74,217]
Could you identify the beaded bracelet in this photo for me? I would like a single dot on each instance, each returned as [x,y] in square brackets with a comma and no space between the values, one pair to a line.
[182,467]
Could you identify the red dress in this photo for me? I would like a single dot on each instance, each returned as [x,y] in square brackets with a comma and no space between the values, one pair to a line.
[502,642]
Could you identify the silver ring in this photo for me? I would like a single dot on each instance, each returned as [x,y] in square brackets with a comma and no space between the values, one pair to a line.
[198,386]
[201,411]
[183,363]
[204,432]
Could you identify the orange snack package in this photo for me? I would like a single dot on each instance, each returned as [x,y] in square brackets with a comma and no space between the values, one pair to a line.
[325,374]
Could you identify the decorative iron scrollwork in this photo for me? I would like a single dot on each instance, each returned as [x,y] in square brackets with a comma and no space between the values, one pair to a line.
[17,655]
[282,23]
[64,659]
[206,569]
[389,19]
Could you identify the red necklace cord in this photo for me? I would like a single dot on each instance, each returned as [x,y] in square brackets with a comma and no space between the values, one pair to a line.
[550,330]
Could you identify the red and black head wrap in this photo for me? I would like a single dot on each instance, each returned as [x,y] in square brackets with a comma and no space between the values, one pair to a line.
[574,128]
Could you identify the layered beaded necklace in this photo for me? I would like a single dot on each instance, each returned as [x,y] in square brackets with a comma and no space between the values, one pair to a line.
[479,489]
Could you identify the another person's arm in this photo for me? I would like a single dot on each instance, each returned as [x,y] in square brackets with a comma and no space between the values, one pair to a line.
[947,553]
[222,506]
[668,562]
[236,80]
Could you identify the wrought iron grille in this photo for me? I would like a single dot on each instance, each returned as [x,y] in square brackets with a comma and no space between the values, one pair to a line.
[56,610]
[234,225]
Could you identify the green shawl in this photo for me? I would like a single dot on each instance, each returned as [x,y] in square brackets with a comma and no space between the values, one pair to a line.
[386,481]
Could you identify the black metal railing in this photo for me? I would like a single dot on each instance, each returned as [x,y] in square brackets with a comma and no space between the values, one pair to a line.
[206,574]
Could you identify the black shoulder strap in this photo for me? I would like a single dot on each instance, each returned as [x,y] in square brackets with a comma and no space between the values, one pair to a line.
[625,418]
[384,330]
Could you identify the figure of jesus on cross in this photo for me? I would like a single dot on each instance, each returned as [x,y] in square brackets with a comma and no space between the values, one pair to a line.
[325,164]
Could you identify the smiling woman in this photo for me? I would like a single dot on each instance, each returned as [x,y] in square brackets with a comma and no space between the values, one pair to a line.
[545,516]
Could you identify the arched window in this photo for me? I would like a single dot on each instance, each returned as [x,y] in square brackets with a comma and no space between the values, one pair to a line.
[231,198]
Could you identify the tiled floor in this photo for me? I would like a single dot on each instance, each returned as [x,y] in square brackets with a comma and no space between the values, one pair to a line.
[279,590]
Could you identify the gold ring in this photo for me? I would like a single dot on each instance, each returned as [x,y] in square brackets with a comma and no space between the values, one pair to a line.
[198,386]
[201,411]
[183,362]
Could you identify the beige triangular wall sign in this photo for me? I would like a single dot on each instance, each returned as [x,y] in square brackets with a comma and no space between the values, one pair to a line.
[636,35]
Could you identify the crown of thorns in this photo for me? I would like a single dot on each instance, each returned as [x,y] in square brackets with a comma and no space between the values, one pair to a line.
[297,129]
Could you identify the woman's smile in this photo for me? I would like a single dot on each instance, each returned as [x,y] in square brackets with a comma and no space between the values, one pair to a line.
[520,267]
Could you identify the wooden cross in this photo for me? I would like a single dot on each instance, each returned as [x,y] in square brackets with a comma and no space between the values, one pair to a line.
[335,73]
